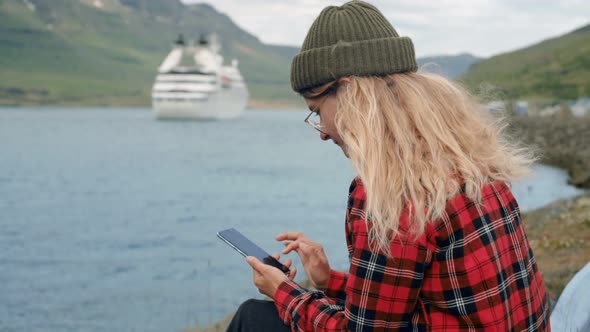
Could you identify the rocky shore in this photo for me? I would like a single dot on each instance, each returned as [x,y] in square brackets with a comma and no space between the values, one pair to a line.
[561,140]
[559,232]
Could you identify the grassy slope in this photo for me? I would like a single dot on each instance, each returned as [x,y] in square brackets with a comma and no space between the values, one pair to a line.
[69,52]
[109,56]
[555,68]
[87,55]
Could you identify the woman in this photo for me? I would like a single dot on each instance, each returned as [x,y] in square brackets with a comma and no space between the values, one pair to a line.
[434,234]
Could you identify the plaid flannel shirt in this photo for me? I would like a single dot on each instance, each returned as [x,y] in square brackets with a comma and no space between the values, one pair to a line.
[473,270]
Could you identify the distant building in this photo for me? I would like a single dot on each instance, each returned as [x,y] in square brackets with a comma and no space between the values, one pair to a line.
[522,107]
[581,107]
[496,106]
[578,107]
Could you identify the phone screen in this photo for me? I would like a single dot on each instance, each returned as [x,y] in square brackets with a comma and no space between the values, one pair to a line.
[247,248]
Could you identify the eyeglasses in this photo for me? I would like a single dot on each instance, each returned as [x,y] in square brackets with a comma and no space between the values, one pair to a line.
[313,119]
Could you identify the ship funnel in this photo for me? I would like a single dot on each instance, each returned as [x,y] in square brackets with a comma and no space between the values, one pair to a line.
[180,40]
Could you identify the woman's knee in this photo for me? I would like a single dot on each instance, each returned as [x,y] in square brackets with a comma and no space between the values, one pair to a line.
[251,306]
[257,315]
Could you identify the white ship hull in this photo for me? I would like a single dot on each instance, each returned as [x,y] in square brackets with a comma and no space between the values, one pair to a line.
[214,105]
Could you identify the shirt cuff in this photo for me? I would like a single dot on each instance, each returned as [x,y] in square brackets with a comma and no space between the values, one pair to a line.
[285,295]
[336,284]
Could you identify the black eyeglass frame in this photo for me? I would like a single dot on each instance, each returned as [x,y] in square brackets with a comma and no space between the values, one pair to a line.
[315,126]
[331,90]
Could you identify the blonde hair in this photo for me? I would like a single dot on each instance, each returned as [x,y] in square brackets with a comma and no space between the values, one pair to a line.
[414,139]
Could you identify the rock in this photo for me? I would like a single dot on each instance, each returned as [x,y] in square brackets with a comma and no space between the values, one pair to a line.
[561,141]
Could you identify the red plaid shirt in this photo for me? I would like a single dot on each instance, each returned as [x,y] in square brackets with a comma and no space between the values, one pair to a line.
[471,271]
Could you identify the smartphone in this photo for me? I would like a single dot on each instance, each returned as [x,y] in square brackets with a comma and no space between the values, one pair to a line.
[246,247]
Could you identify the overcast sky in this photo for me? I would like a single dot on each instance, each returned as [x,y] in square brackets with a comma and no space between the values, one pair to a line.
[480,27]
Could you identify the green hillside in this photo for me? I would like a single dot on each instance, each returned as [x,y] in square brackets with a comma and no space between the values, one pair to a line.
[557,68]
[73,52]
[105,52]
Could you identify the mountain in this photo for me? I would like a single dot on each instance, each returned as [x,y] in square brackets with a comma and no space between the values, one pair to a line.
[101,52]
[451,66]
[557,68]
[105,52]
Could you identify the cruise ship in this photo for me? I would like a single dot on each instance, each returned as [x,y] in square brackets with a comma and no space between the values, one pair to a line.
[194,83]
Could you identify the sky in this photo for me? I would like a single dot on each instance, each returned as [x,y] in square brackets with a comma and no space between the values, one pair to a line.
[437,27]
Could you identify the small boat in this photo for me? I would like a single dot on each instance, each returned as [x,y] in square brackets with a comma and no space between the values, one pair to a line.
[193,83]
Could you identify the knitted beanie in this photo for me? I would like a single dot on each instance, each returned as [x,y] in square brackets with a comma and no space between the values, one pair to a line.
[352,40]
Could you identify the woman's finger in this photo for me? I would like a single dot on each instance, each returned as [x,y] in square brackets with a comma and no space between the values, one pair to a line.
[288,263]
[293,236]
[290,247]
[256,265]
[256,276]
[293,274]
[306,248]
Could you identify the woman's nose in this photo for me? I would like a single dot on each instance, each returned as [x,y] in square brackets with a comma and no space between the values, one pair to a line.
[324,136]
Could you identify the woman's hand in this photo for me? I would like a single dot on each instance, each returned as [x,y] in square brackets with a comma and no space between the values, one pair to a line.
[314,260]
[268,278]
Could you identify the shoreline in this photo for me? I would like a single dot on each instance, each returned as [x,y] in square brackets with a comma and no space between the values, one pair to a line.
[562,142]
[256,104]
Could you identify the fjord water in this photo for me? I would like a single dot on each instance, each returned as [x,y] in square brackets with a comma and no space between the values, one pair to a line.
[108,218]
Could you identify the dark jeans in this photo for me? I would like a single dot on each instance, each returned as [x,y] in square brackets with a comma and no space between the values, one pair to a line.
[257,316]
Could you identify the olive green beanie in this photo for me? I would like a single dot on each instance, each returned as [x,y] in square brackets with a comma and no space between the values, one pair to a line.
[354,39]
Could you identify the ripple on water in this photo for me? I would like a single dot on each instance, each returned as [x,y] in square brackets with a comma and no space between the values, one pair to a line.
[153,243]
[189,219]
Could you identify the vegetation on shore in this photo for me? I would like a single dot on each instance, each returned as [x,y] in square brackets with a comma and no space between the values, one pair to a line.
[560,232]
[560,237]
[562,140]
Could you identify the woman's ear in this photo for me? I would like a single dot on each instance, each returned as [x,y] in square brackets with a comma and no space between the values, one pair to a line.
[343,80]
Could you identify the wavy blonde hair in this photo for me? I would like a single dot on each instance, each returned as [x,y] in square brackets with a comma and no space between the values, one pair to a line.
[414,139]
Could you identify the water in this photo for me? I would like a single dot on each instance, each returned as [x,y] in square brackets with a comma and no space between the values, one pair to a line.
[108,218]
